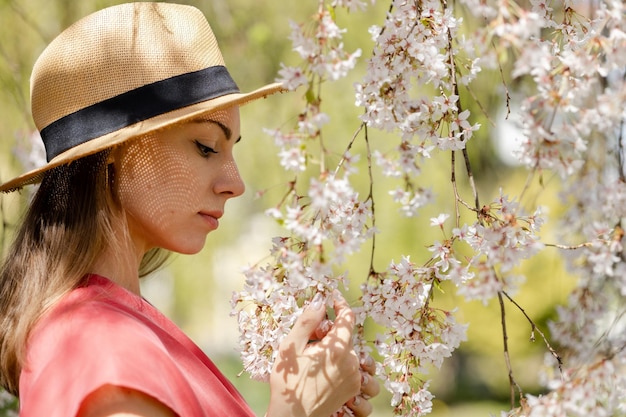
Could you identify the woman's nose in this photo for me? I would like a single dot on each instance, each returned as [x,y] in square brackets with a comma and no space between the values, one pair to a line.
[230,182]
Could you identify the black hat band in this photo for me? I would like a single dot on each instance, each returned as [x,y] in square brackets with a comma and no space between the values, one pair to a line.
[135,106]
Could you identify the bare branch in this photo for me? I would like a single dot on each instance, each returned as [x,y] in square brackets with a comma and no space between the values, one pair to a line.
[457,198]
[372,271]
[533,329]
[505,338]
[570,247]
[354,136]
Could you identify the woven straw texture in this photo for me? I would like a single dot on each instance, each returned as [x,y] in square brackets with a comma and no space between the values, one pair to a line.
[116,50]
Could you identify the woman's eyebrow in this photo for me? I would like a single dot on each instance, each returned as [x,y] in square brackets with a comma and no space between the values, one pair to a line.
[227,132]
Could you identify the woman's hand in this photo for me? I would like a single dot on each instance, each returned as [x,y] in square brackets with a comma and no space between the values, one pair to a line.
[360,404]
[315,379]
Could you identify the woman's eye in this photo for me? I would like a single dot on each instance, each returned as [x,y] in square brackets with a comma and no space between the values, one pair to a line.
[204,150]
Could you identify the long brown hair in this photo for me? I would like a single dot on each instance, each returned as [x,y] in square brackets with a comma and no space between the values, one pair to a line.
[68,224]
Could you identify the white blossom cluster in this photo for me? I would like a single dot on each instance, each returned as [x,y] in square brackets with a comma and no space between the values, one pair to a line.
[414,48]
[321,49]
[331,225]
[597,389]
[500,240]
[324,226]
[570,70]
[324,58]
[417,337]
[568,62]
[409,88]
[573,124]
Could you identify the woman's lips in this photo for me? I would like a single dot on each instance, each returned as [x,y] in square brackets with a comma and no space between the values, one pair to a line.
[211,219]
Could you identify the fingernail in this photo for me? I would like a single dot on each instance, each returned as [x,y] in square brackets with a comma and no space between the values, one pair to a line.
[325,326]
[367,361]
[356,400]
[317,301]
[364,379]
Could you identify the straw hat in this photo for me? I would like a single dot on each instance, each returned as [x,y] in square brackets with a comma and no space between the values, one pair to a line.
[122,72]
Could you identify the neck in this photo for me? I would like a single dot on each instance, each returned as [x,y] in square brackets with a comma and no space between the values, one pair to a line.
[121,270]
[120,261]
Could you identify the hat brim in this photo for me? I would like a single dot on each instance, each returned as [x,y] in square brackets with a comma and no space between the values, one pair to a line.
[144,127]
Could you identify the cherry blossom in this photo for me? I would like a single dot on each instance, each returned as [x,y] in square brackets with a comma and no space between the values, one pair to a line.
[565,62]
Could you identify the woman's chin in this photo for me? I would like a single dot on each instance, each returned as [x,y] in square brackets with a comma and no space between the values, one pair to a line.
[187,248]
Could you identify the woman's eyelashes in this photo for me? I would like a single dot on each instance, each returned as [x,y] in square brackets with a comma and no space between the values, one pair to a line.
[204,150]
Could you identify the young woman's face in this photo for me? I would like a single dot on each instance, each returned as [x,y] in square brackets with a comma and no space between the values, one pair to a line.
[173,185]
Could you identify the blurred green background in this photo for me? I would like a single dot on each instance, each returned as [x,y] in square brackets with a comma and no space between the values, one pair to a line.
[195,290]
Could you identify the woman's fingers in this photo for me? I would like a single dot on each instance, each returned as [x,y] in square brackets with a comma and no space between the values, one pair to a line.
[368,364]
[369,385]
[322,329]
[315,379]
[343,326]
[312,325]
[360,406]
[305,327]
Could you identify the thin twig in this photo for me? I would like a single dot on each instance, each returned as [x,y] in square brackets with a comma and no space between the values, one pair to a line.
[620,147]
[291,189]
[382,30]
[370,196]
[529,178]
[457,198]
[506,88]
[468,168]
[569,247]
[354,136]
[319,132]
[505,338]
[372,271]
[470,177]
[533,329]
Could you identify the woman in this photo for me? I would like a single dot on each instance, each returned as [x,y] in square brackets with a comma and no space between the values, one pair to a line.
[139,117]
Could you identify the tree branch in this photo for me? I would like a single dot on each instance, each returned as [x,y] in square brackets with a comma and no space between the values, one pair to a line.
[533,329]
[505,339]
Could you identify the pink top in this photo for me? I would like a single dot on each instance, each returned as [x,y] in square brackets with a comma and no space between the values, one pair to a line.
[101,334]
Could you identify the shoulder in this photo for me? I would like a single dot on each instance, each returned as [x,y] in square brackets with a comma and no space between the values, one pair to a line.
[102,328]
[90,340]
[90,318]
